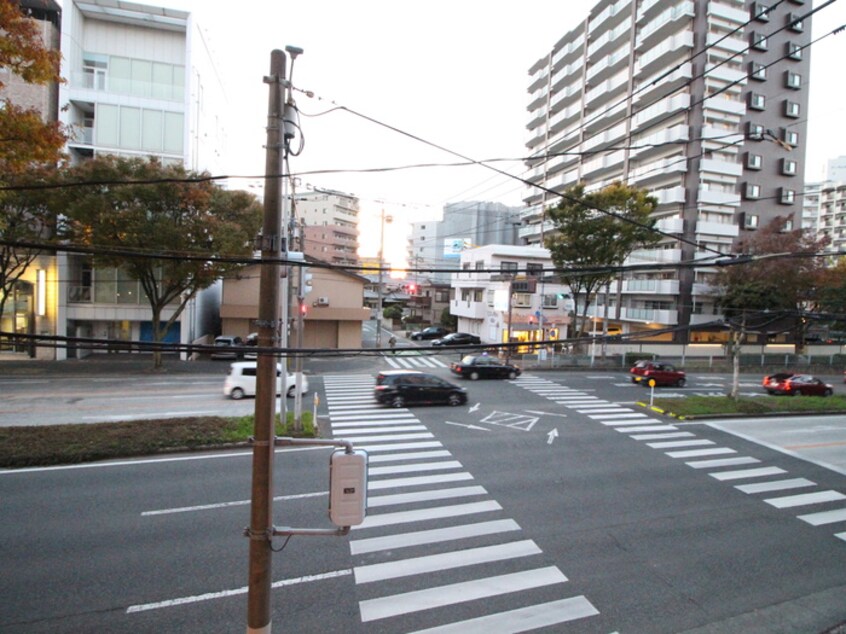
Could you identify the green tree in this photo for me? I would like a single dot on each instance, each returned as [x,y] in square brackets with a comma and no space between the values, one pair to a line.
[180,229]
[596,232]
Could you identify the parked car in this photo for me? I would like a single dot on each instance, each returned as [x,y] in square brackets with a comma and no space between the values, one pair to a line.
[772,380]
[662,373]
[241,381]
[803,384]
[457,339]
[483,367]
[432,332]
[400,387]
[223,347]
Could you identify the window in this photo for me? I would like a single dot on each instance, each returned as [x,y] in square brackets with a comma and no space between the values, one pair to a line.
[791,109]
[480,265]
[508,267]
[750,221]
[760,12]
[792,80]
[550,301]
[523,300]
[478,295]
[786,196]
[794,51]
[788,167]
[758,41]
[754,131]
[795,23]
[534,270]
[790,137]
[757,101]
[754,161]
[757,71]
[751,191]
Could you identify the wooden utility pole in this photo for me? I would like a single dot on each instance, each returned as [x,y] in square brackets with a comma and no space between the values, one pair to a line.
[260,530]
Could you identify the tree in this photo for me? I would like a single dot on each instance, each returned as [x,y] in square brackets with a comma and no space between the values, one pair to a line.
[25,139]
[831,295]
[596,232]
[180,229]
[774,286]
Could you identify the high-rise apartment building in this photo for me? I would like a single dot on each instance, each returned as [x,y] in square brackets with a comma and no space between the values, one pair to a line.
[328,221]
[703,103]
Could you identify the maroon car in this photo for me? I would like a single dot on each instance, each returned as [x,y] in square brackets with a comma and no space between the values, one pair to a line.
[662,373]
[803,384]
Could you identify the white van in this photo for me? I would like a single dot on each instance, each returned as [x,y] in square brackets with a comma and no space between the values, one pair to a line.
[241,381]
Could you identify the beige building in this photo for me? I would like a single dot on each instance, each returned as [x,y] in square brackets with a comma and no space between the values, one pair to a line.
[334,308]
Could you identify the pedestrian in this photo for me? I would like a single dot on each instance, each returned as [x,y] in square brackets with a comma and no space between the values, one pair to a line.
[393,343]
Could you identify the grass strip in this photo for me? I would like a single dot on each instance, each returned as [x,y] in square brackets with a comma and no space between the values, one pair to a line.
[704,406]
[45,445]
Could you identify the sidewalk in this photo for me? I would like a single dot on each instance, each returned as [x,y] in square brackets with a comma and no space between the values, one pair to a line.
[107,364]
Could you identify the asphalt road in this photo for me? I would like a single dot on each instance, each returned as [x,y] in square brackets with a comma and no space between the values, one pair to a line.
[549,501]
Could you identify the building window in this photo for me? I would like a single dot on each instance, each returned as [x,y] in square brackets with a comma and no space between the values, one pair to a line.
[790,137]
[757,101]
[478,294]
[480,265]
[757,71]
[788,167]
[534,269]
[761,12]
[791,109]
[794,51]
[490,298]
[754,131]
[550,301]
[758,41]
[792,80]
[523,300]
[786,196]
[750,221]
[754,161]
[751,191]
[795,23]
[508,267]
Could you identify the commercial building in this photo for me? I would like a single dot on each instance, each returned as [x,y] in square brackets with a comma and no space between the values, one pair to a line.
[703,103]
[140,82]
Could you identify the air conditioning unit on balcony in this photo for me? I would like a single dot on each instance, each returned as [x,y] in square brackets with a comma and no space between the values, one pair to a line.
[322,301]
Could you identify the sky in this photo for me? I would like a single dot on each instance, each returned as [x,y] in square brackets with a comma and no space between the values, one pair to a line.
[450,74]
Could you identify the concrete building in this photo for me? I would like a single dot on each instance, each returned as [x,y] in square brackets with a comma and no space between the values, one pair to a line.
[540,307]
[140,82]
[703,103]
[334,308]
[328,221]
[832,216]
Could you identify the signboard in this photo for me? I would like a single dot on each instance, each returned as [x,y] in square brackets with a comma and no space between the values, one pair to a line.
[454,246]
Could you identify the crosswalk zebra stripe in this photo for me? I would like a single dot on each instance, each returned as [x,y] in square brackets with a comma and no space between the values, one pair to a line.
[419,515]
[401,437]
[432,536]
[747,473]
[693,453]
[394,605]
[415,468]
[399,445]
[348,424]
[444,561]
[659,436]
[804,499]
[395,483]
[777,485]
[386,417]
[722,462]
[620,416]
[358,431]
[525,619]
[669,444]
[630,428]
[621,423]
[415,455]
[824,517]
[374,501]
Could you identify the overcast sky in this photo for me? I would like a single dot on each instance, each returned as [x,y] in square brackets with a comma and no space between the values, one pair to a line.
[451,73]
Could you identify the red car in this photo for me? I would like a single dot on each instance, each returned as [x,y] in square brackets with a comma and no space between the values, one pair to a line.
[662,373]
[803,384]
[773,380]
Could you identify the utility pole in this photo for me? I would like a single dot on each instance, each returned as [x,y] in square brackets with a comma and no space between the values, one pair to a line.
[260,531]
[379,290]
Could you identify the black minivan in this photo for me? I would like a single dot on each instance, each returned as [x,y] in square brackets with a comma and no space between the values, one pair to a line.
[398,388]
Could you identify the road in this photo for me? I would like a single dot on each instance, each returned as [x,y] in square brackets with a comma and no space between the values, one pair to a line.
[550,501]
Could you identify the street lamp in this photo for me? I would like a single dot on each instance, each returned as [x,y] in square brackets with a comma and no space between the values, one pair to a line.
[382,222]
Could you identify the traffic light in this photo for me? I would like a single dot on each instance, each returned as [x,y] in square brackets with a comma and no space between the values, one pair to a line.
[305,281]
[412,289]
[303,309]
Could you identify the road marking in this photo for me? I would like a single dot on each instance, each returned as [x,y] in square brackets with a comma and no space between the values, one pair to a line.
[375,485]
[693,453]
[551,436]
[660,436]
[540,413]
[721,462]
[778,485]
[477,427]
[525,619]
[234,592]
[439,512]
[354,431]
[825,517]
[394,605]
[679,443]
[747,473]
[374,501]
[804,499]
[221,505]
[414,455]
[433,536]
[415,468]
[444,561]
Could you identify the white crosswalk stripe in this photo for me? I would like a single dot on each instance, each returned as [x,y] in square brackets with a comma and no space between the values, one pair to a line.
[419,496]
[665,437]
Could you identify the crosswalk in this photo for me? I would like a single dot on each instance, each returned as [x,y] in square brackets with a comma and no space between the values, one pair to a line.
[700,453]
[412,360]
[435,544]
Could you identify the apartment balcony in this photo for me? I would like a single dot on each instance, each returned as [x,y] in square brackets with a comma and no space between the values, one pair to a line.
[648,9]
[654,256]
[720,138]
[725,168]
[731,45]
[568,74]
[468,309]
[650,315]
[534,230]
[565,117]
[675,48]
[610,89]
[536,137]
[603,42]
[648,89]
[721,229]
[538,98]
[669,196]
[723,73]
[655,171]
[716,197]
[604,115]
[597,167]
[568,50]
[664,24]
[738,16]
[721,104]
[701,289]
[565,140]
[564,96]
[539,78]
[644,147]
[670,225]
[659,110]
[608,65]
[605,139]
[80,135]
[651,287]
[608,17]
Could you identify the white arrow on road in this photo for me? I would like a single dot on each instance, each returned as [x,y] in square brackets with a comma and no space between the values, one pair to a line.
[474,408]
[551,436]
[467,426]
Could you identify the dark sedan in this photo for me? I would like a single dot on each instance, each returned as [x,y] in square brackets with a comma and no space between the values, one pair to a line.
[399,388]
[432,332]
[457,339]
[803,384]
[483,367]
